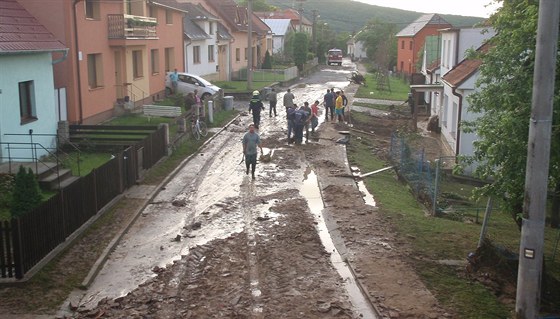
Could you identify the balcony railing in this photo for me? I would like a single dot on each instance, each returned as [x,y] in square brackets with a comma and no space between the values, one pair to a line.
[126,26]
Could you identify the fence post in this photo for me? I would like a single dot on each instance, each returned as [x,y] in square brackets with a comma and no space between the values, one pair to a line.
[210,111]
[18,249]
[165,128]
[436,186]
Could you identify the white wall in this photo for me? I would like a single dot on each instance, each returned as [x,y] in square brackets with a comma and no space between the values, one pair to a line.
[20,68]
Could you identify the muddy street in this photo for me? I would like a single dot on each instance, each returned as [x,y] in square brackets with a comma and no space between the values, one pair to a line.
[214,243]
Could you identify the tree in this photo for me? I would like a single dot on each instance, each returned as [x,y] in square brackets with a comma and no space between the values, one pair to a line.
[267,63]
[301,46]
[504,101]
[26,194]
[380,43]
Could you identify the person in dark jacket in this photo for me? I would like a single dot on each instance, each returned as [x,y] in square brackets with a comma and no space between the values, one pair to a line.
[255,107]
[328,102]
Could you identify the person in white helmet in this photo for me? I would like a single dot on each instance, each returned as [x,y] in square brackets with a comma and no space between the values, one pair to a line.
[255,107]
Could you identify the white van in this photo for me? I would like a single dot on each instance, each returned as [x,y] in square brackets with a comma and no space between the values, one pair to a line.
[334,57]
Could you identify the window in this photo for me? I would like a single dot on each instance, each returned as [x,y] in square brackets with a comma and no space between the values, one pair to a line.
[92,9]
[402,66]
[211,28]
[410,45]
[246,54]
[453,127]
[137,69]
[448,57]
[444,115]
[237,55]
[444,53]
[210,53]
[27,109]
[95,70]
[152,11]
[402,44]
[196,54]
[155,61]
[169,59]
[168,16]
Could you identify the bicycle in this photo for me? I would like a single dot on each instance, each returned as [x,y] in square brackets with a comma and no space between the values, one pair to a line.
[199,128]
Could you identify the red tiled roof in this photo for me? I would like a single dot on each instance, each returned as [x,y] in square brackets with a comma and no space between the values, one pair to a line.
[433,66]
[462,71]
[236,17]
[20,31]
[283,14]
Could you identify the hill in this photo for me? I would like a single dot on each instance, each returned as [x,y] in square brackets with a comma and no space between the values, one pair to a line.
[349,16]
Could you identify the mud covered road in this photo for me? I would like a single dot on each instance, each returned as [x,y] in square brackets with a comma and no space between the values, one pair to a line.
[299,241]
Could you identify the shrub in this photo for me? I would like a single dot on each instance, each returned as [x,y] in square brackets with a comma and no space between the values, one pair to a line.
[27,194]
[267,63]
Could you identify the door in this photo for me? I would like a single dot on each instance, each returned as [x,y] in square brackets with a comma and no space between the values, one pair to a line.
[119,86]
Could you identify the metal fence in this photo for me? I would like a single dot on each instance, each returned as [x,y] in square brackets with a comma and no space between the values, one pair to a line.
[414,168]
[267,75]
[27,240]
[428,180]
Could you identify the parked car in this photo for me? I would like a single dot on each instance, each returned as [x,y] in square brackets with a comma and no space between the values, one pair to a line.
[189,82]
[334,57]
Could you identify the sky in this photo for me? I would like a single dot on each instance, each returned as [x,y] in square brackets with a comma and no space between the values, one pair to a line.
[475,8]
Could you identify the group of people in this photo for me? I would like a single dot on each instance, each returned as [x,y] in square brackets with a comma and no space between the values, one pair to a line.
[335,103]
[298,119]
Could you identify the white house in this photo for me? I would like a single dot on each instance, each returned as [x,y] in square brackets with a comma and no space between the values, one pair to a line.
[201,41]
[280,29]
[28,113]
[356,49]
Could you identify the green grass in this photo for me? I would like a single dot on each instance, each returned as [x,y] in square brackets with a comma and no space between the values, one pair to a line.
[87,162]
[399,89]
[140,120]
[434,239]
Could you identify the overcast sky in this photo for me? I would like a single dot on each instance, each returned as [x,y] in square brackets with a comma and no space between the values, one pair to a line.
[476,8]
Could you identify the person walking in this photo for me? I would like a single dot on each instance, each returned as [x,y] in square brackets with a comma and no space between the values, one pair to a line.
[344,103]
[190,102]
[314,116]
[272,99]
[251,140]
[290,115]
[255,107]
[174,77]
[328,101]
[309,115]
[288,99]
[339,107]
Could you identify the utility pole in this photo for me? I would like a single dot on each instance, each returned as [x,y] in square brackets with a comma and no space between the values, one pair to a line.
[529,276]
[300,11]
[314,31]
[250,45]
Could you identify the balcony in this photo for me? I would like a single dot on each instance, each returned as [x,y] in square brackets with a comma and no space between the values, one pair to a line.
[126,26]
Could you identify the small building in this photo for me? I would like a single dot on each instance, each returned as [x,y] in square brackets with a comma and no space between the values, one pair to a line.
[280,29]
[28,112]
[410,40]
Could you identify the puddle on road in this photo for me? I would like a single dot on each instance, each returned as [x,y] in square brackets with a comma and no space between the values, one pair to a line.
[368,198]
[310,190]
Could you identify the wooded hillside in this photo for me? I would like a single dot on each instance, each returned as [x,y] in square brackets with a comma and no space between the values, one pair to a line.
[349,16]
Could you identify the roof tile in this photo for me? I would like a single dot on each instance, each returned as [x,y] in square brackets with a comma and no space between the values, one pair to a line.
[20,31]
